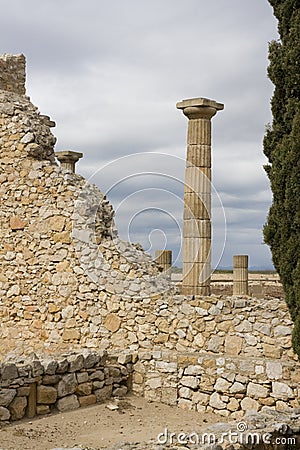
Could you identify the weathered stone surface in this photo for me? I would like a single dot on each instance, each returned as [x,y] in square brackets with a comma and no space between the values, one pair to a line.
[87,400]
[16,223]
[67,385]
[274,370]
[17,408]
[233,345]
[4,414]
[9,372]
[46,394]
[249,404]
[256,391]
[103,394]
[112,322]
[75,363]
[282,390]
[43,409]
[7,396]
[216,402]
[222,385]
[67,403]
[84,389]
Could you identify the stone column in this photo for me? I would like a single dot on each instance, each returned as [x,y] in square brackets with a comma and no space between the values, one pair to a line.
[68,159]
[196,245]
[164,259]
[240,275]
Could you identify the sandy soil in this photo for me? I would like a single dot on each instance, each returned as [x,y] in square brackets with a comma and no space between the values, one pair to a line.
[135,420]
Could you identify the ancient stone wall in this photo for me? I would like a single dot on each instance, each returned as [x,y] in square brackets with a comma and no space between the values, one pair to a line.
[61,261]
[68,282]
[34,387]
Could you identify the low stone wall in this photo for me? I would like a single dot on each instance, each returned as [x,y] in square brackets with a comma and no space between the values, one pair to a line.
[36,386]
[217,383]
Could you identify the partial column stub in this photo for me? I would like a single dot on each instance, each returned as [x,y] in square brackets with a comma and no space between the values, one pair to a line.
[68,159]
[240,275]
[196,245]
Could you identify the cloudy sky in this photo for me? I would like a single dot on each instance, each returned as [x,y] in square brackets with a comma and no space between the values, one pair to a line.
[110,73]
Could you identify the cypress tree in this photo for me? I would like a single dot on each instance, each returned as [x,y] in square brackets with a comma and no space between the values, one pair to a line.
[282,148]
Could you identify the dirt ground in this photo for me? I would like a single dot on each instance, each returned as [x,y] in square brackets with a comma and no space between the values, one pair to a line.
[135,420]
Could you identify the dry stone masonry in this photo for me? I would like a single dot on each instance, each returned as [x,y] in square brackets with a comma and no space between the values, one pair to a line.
[36,387]
[62,263]
[68,283]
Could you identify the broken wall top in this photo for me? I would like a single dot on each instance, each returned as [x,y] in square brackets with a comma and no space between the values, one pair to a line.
[12,73]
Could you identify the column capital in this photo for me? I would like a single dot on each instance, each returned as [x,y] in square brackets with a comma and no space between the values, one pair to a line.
[199,108]
[68,159]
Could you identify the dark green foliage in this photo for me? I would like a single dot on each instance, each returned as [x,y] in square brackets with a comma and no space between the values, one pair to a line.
[282,147]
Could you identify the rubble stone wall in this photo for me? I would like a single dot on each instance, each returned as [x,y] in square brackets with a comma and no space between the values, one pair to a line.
[62,264]
[222,384]
[34,387]
[68,282]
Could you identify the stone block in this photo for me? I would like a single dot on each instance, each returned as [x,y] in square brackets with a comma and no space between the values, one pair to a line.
[112,322]
[193,370]
[257,391]
[189,381]
[248,404]
[91,359]
[215,344]
[215,401]
[23,391]
[67,403]
[82,377]
[46,394]
[50,366]
[4,414]
[84,389]
[16,223]
[281,391]
[271,351]
[104,393]
[167,367]
[71,334]
[169,396]
[75,363]
[9,372]
[87,400]
[67,385]
[185,392]
[233,345]
[97,375]
[274,370]
[237,388]
[222,385]
[7,396]
[42,409]
[50,379]
[17,408]
[233,405]
[154,383]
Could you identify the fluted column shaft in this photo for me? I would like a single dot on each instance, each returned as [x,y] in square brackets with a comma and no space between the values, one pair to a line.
[196,244]
[240,275]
